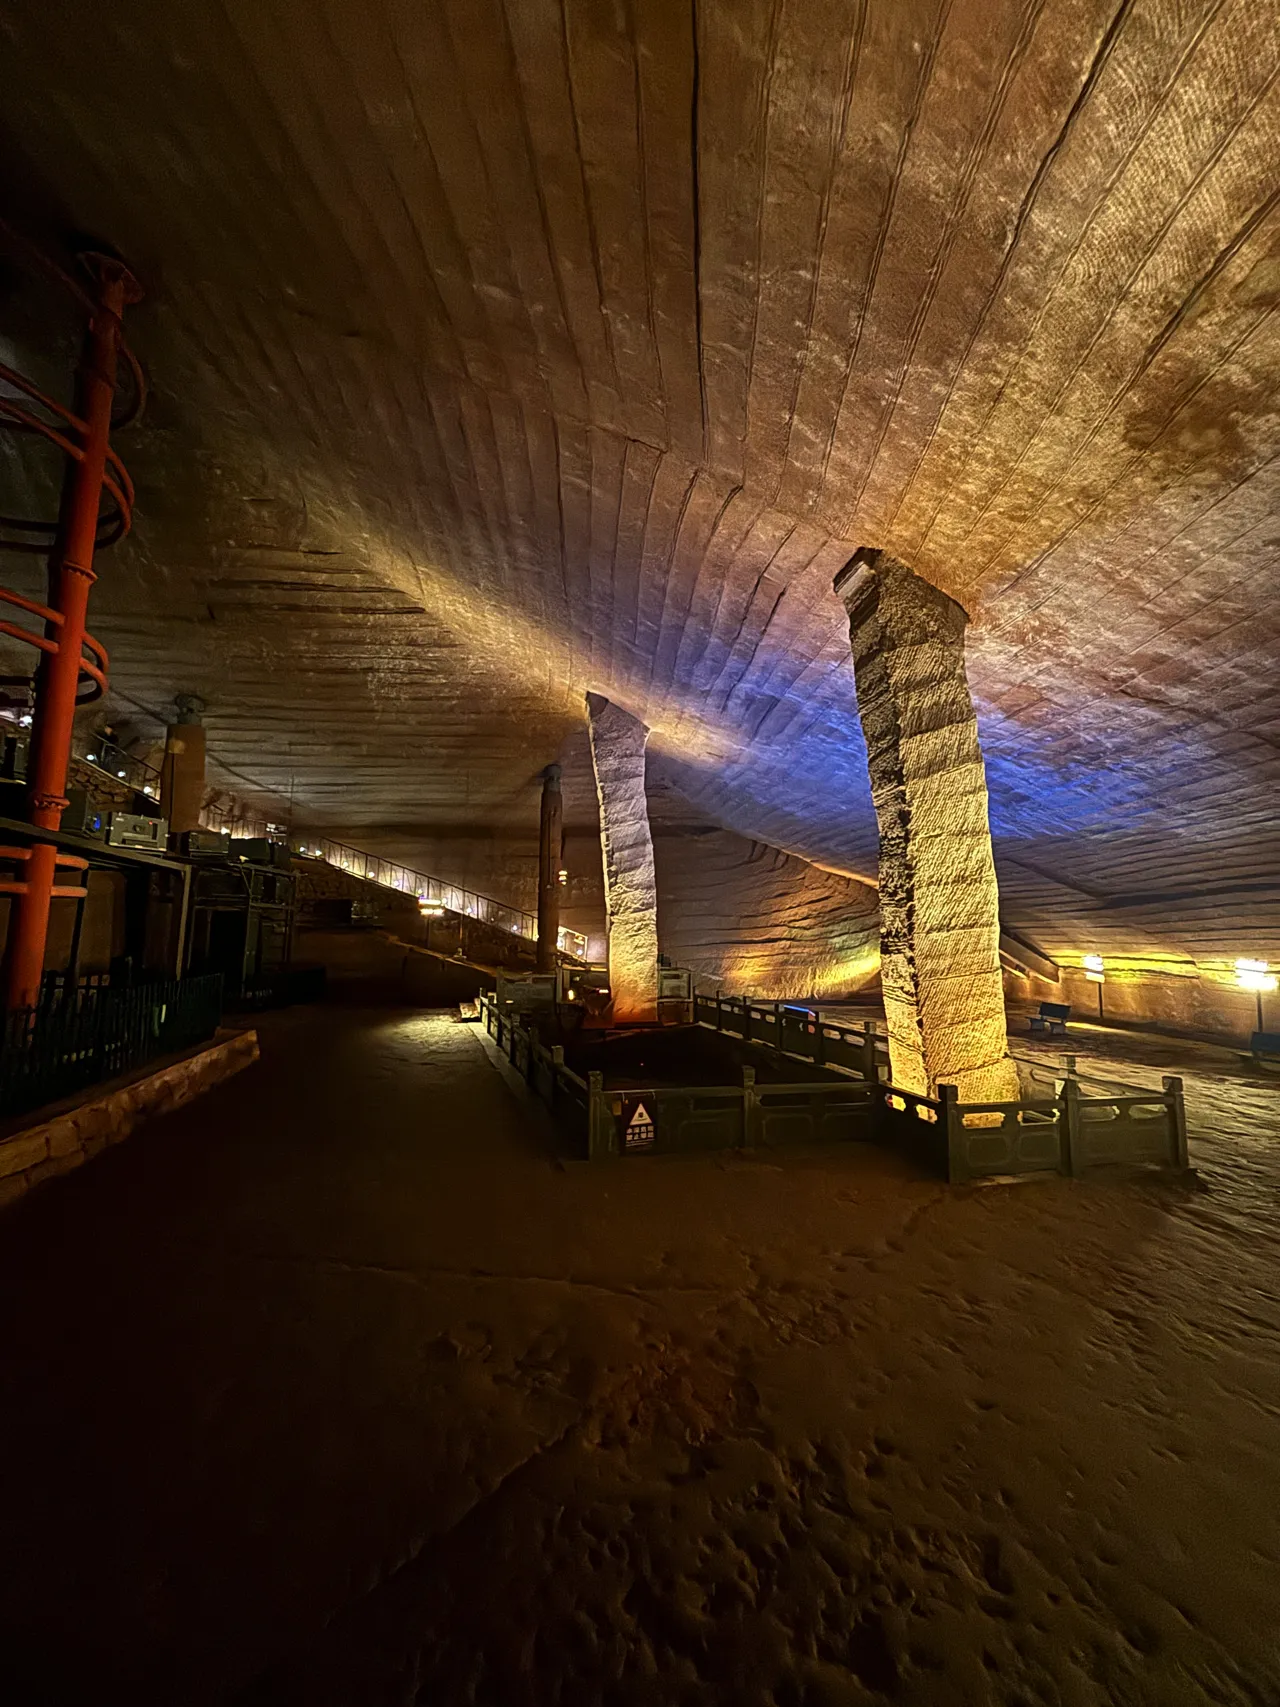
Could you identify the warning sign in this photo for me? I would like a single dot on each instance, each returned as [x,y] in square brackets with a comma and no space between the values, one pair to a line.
[639,1135]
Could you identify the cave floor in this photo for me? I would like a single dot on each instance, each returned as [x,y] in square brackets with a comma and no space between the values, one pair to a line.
[336,1389]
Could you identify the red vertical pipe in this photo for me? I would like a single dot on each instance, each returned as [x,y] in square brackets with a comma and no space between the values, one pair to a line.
[59,674]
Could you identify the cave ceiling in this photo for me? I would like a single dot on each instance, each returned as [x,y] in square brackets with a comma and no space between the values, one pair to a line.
[502,349]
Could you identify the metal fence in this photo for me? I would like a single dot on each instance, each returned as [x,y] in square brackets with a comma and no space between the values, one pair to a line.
[114,762]
[1077,1126]
[83,1036]
[433,891]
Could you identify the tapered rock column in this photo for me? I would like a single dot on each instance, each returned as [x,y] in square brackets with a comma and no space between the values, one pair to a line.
[939,906]
[549,842]
[630,888]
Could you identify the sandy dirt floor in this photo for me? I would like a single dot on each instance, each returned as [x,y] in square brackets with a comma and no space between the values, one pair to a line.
[338,1390]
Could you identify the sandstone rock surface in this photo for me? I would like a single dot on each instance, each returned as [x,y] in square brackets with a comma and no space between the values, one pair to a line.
[939,905]
[630,886]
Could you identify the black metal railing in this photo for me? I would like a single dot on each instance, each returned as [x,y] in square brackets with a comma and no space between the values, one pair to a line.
[94,1032]
[118,765]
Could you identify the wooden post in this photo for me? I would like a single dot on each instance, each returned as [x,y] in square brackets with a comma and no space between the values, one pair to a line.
[719,1012]
[750,1109]
[819,1042]
[1070,1130]
[953,1121]
[1178,1121]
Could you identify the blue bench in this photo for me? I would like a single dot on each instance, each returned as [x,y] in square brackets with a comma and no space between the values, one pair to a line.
[1264,1046]
[1052,1019]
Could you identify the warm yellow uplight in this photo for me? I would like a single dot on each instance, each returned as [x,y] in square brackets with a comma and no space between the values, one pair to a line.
[1255,975]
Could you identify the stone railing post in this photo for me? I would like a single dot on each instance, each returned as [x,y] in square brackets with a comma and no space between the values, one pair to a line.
[750,1109]
[1069,1129]
[1177,1121]
[870,1068]
[953,1126]
[602,1136]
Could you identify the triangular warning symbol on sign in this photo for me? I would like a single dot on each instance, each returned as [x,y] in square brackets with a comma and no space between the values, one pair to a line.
[641,1116]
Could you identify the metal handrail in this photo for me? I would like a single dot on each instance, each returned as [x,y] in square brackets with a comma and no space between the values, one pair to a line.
[115,480]
[115,763]
[372,868]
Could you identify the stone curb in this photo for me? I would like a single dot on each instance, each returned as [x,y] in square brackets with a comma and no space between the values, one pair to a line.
[71,1138]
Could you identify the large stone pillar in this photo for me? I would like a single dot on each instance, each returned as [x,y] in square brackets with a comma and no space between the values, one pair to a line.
[549,841]
[182,769]
[939,905]
[630,888]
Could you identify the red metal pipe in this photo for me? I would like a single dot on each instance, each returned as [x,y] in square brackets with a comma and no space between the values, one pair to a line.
[58,677]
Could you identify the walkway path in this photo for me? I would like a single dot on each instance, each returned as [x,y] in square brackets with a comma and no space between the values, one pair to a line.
[335,1390]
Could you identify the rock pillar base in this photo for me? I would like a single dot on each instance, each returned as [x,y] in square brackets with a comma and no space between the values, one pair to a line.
[939,905]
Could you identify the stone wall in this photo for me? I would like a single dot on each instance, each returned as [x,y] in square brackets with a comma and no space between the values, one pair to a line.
[754,921]
[1183,1001]
[378,968]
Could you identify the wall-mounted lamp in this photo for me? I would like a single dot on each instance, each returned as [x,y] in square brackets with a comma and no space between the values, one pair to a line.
[1256,975]
[562,877]
[1095,972]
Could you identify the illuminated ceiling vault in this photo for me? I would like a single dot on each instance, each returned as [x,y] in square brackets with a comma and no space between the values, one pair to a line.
[508,348]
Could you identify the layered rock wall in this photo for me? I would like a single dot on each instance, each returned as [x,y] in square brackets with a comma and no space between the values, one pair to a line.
[753,921]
